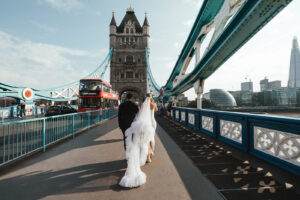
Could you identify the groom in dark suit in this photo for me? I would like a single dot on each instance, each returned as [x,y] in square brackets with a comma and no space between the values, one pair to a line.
[127,111]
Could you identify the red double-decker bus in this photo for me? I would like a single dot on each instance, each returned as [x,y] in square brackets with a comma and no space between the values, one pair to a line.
[95,94]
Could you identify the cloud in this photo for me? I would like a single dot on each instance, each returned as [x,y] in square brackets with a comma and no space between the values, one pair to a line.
[176,45]
[189,22]
[40,65]
[98,13]
[195,3]
[171,64]
[43,26]
[162,58]
[64,5]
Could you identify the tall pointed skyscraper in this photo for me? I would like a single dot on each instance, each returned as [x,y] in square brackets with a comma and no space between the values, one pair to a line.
[294,77]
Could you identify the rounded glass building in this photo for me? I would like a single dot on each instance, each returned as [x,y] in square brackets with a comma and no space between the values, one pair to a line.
[222,98]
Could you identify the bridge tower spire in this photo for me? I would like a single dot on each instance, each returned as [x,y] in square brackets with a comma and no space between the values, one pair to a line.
[112,30]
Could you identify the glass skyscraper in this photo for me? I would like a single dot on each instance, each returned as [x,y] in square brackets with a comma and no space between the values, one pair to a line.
[294,77]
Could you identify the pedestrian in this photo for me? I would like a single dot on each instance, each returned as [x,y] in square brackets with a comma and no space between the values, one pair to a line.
[166,107]
[22,110]
[169,108]
[42,106]
[19,110]
[46,107]
[162,109]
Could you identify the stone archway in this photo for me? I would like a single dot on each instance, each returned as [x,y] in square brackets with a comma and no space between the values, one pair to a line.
[136,92]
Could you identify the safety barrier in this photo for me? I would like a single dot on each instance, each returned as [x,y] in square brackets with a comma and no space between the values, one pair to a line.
[20,138]
[273,139]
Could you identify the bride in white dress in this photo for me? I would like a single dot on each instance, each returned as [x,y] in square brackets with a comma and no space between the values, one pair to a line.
[139,144]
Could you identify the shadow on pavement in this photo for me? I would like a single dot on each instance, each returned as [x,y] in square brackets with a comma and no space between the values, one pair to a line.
[80,179]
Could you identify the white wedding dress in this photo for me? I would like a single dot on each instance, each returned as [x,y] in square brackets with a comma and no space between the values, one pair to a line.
[138,136]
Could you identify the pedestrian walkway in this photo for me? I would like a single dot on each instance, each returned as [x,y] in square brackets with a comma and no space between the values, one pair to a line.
[91,165]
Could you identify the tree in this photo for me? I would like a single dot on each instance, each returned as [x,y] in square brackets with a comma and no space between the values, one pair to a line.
[192,104]
[207,103]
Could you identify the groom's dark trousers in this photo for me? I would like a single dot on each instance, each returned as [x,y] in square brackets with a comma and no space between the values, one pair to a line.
[126,115]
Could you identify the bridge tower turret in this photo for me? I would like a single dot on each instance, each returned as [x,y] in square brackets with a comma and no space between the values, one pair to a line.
[128,72]
[146,32]
[112,31]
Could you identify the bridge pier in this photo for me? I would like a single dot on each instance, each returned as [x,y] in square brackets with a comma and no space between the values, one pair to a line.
[198,86]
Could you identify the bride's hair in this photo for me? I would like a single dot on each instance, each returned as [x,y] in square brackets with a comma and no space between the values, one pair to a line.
[147,95]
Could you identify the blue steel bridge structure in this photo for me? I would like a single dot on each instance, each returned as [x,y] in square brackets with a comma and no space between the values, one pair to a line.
[231,23]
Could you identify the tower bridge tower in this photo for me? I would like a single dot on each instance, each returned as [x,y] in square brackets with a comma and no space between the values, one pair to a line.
[128,63]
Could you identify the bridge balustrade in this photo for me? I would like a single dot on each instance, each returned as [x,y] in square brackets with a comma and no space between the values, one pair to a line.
[273,139]
[22,138]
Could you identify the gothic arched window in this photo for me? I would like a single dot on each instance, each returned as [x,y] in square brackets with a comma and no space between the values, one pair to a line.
[129,74]
[131,30]
[127,30]
[129,59]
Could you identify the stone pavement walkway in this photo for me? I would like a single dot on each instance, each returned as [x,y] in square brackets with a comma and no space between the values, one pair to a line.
[91,165]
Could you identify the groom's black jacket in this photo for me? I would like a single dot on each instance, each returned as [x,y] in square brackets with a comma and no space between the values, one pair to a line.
[126,114]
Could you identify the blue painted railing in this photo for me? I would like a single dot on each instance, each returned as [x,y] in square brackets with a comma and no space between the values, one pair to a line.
[273,139]
[20,138]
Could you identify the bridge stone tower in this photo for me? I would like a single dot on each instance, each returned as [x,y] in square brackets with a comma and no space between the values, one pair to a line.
[128,63]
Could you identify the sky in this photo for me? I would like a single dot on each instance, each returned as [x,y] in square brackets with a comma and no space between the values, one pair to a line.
[48,43]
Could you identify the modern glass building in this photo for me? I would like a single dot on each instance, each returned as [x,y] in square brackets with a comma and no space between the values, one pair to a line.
[222,98]
[247,86]
[265,85]
[294,76]
[286,96]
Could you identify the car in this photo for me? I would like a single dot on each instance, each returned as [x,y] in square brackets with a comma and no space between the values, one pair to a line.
[68,109]
[59,110]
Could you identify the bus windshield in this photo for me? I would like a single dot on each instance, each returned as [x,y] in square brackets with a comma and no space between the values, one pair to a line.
[86,102]
[90,85]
